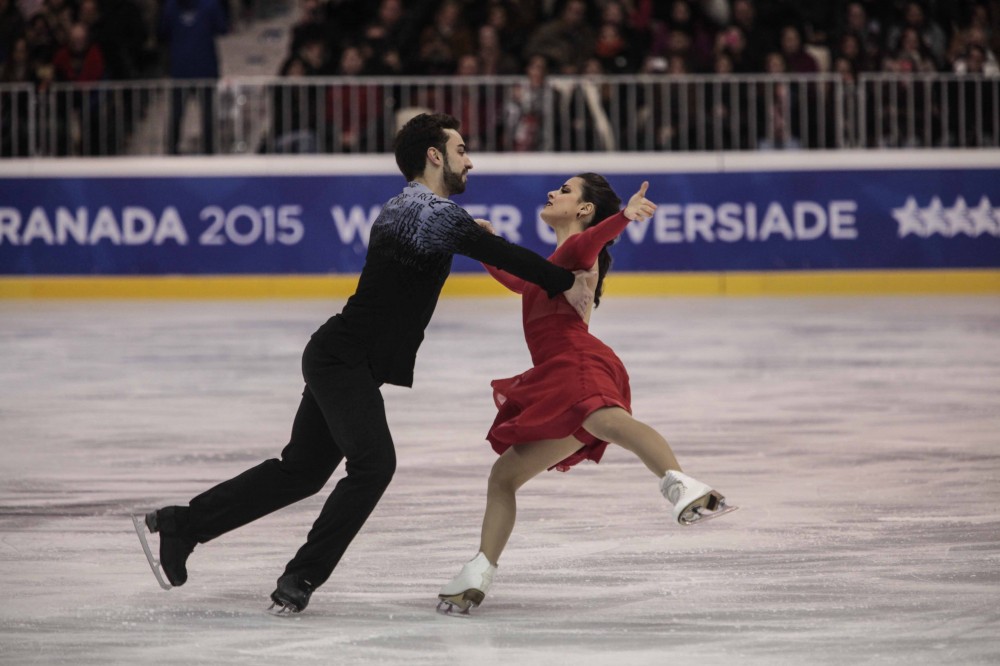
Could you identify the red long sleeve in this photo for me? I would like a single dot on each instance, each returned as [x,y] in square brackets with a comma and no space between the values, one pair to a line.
[588,244]
[512,282]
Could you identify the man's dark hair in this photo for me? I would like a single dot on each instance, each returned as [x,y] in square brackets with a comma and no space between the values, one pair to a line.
[416,136]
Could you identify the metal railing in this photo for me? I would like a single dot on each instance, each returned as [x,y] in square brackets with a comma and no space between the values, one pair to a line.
[503,114]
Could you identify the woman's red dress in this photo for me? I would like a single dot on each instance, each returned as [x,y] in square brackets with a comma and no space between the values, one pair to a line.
[573,373]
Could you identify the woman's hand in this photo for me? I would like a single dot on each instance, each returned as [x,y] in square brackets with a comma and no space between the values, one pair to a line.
[485,224]
[639,207]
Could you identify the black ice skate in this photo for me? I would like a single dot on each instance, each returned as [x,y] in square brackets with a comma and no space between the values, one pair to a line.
[175,544]
[291,596]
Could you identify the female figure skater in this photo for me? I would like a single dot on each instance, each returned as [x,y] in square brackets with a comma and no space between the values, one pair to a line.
[576,398]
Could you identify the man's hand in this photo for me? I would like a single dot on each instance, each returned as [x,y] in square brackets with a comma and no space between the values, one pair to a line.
[639,207]
[485,224]
[581,294]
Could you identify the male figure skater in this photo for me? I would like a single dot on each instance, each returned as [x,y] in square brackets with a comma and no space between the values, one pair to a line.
[373,341]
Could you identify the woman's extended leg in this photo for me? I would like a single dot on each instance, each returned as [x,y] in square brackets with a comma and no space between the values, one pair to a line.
[614,424]
[692,499]
[512,470]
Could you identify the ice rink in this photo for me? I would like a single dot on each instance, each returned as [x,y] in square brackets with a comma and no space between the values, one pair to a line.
[860,436]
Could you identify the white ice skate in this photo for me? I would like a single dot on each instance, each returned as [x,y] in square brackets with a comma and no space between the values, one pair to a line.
[468,589]
[693,501]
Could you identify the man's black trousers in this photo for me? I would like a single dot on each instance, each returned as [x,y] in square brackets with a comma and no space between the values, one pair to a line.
[341,417]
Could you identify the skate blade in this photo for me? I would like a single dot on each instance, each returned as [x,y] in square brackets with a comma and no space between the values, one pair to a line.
[453,609]
[279,610]
[460,604]
[706,508]
[154,564]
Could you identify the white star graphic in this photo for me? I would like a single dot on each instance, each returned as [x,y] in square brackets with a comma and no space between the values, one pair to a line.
[933,218]
[958,218]
[984,219]
[908,219]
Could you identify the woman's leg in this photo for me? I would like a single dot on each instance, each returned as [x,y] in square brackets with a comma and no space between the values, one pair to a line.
[512,470]
[614,424]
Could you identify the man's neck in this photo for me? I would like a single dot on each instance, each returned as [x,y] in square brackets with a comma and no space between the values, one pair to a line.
[435,185]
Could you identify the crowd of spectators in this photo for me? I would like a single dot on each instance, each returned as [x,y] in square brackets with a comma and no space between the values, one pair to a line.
[45,41]
[490,37]
[537,38]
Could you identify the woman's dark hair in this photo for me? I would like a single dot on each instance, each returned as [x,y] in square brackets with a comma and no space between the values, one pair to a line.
[416,136]
[597,191]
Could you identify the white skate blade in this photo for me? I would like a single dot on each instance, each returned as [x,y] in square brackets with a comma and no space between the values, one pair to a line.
[698,514]
[154,564]
[453,609]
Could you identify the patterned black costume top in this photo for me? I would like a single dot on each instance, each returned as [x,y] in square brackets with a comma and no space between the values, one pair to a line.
[410,251]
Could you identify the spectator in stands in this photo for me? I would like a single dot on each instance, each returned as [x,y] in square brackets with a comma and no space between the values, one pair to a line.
[493,60]
[79,111]
[679,49]
[189,28]
[523,114]
[310,22]
[849,49]
[619,47]
[731,43]
[692,35]
[796,59]
[719,102]
[80,61]
[17,66]
[911,55]
[385,48]
[445,40]
[976,127]
[475,109]
[757,39]
[583,121]
[11,27]
[614,51]
[295,103]
[974,62]
[513,29]
[60,15]
[930,34]
[567,41]
[868,33]
[778,108]
[15,105]
[972,46]
[41,42]
[354,111]
[118,28]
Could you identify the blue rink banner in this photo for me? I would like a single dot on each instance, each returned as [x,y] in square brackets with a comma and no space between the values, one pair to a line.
[310,224]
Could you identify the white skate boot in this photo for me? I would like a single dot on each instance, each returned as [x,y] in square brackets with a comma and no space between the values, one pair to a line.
[693,500]
[468,589]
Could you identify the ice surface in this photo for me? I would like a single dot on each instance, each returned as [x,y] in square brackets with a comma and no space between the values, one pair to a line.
[861,437]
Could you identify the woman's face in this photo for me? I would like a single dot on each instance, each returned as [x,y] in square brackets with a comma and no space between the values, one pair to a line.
[564,204]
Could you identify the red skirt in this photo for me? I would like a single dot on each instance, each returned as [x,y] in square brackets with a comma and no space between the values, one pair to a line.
[552,399]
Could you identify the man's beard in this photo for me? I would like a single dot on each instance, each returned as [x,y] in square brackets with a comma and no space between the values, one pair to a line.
[452,181]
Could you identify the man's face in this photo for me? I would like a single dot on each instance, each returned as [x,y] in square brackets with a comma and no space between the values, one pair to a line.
[456,163]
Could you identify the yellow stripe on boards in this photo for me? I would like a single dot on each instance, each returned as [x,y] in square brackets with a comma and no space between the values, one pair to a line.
[770,283]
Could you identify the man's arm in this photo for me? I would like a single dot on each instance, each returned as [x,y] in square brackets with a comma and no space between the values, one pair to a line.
[519,261]
[457,232]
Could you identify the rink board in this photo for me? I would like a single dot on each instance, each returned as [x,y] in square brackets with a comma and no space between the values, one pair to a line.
[903,222]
